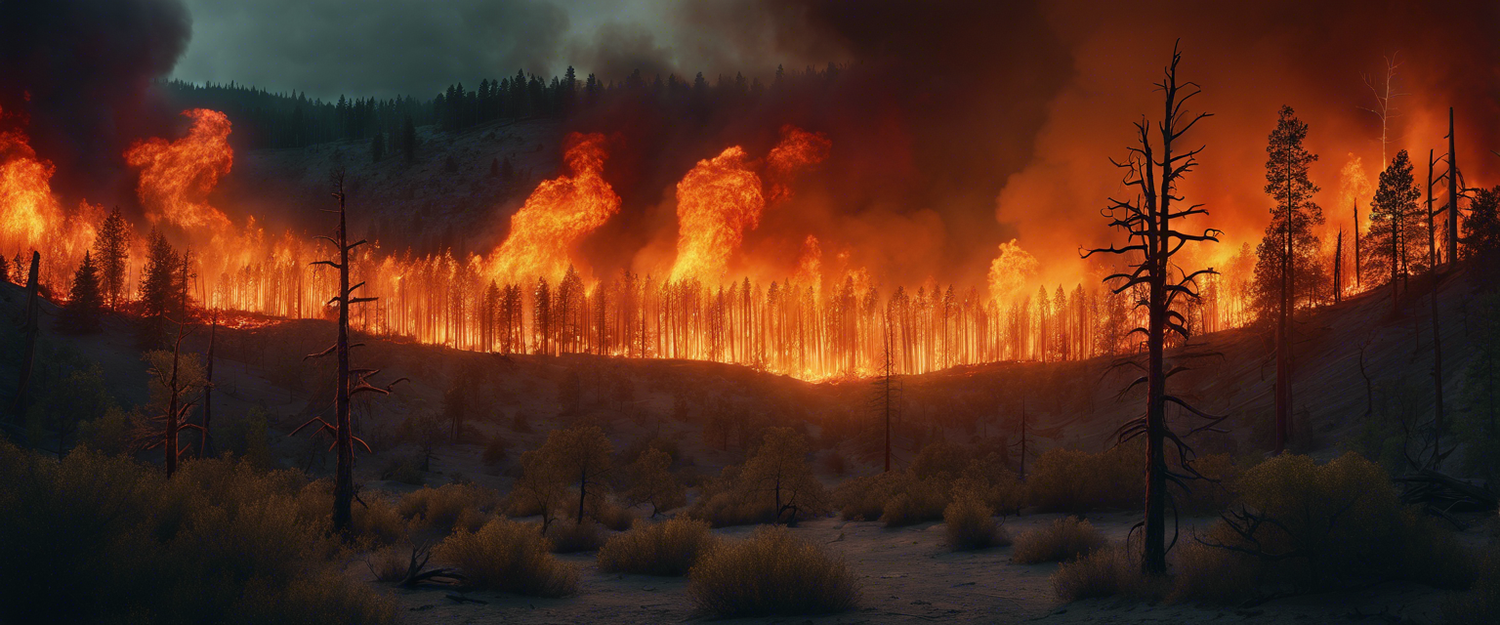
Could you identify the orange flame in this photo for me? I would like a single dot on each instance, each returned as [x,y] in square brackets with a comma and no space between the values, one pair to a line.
[559,213]
[28,211]
[797,150]
[1010,272]
[177,176]
[716,203]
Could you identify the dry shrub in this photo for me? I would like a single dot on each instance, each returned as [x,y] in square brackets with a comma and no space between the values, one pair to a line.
[915,501]
[1107,572]
[971,524]
[389,564]
[1300,527]
[449,507]
[771,573]
[378,521]
[1072,481]
[1214,495]
[1068,538]
[222,542]
[568,536]
[609,514]
[863,498]
[669,548]
[940,460]
[508,556]
[1481,602]
[741,495]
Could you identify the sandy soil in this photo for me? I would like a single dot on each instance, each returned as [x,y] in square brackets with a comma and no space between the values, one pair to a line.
[908,576]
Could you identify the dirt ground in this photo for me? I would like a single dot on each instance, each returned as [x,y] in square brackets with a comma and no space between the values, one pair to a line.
[907,575]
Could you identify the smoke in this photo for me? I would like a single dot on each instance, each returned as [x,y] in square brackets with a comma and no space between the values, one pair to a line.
[79,73]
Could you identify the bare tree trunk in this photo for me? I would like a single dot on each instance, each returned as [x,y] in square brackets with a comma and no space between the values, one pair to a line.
[1452,195]
[1437,343]
[343,481]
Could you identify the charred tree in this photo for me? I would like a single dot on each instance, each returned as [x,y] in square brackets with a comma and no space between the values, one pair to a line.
[1453,194]
[206,441]
[1149,221]
[165,428]
[351,381]
[1435,461]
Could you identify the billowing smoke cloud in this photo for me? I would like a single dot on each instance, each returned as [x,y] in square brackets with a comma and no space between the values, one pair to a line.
[81,71]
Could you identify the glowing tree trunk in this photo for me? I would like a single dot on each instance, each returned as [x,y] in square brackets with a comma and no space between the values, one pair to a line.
[1148,221]
[350,381]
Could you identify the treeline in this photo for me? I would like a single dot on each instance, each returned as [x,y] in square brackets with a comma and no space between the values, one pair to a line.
[265,119]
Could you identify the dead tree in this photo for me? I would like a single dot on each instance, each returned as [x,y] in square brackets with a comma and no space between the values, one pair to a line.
[165,428]
[1435,461]
[886,396]
[1385,96]
[1453,194]
[351,381]
[1149,222]
[1338,267]
[206,440]
[29,328]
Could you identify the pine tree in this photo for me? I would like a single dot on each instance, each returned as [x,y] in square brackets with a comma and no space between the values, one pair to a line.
[1286,260]
[113,249]
[1481,238]
[1394,223]
[159,295]
[81,313]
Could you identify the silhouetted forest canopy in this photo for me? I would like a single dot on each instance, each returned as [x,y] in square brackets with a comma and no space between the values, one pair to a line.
[265,119]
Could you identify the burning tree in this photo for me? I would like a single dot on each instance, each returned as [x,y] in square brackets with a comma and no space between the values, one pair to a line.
[1149,221]
[351,381]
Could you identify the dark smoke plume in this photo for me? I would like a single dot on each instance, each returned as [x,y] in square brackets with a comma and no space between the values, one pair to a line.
[81,71]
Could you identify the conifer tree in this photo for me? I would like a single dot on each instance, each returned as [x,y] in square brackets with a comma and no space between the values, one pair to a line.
[113,251]
[1394,224]
[81,313]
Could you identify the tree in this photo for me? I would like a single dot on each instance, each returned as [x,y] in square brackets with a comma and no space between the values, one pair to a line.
[1154,172]
[540,487]
[350,381]
[112,248]
[652,481]
[81,313]
[1286,260]
[1394,224]
[29,329]
[580,456]
[779,467]
[1385,95]
[1481,238]
[175,383]
[158,291]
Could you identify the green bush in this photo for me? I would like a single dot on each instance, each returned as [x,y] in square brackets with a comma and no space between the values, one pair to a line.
[669,548]
[1065,539]
[508,556]
[970,524]
[771,573]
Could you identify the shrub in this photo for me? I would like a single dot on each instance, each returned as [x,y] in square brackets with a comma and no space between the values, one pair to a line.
[1481,603]
[1111,571]
[569,536]
[669,548]
[1068,480]
[940,460]
[1068,538]
[389,564]
[916,501]
[494,451]
[863,498]
[771,573]
[610,515]
[1299,526]
[775,484]
[449,507]
[221,542]
[971,524]
[508,556]
[378,520]
[652,482]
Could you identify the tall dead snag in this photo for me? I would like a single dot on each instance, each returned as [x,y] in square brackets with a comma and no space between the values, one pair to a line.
[1152,238]
[1454,189]
[176,383]
[29,329]
[886,395]
[351,381]
[206,440]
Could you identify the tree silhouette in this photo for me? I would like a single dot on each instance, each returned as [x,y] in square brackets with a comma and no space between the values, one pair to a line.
[112,251]
[1153,171]
[174,383]
[1287,256]
[1394,223]
[81,313]
[351,381]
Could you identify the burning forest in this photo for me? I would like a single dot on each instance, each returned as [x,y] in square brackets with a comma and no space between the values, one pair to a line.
[1198,303]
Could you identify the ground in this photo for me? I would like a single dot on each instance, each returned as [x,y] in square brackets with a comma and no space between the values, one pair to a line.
[908,576]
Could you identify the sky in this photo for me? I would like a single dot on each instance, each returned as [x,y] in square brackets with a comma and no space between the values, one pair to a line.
[382,48]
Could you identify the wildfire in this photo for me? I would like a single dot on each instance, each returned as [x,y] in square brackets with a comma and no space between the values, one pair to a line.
[559,213]
[798,150]
[28,211]
[716,203]
[177,176]
[1010,272]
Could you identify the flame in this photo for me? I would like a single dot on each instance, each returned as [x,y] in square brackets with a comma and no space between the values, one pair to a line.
[1010,272]
[1354,187]
[177,176]
[810,265]
[28,211]
[716,203]
[559,213]
[798,150]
